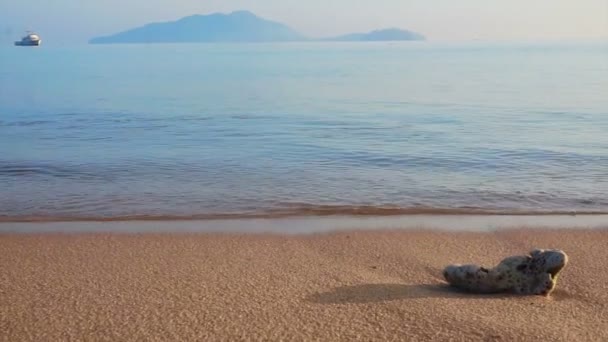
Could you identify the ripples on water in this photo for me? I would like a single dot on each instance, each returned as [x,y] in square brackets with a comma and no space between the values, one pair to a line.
[213,130]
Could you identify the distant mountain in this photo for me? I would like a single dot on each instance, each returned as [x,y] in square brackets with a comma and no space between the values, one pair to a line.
[239,26]
[391,34]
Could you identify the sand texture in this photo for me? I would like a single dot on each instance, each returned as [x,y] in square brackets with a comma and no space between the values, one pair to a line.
[344,286]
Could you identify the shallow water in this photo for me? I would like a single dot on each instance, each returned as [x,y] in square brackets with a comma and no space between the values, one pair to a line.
[314,128]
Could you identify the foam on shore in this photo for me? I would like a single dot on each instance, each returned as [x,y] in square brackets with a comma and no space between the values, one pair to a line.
[316,224]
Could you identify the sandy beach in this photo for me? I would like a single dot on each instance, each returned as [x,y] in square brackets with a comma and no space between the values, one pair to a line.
[359,285]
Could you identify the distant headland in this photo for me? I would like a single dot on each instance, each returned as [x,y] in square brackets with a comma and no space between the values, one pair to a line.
[239,26]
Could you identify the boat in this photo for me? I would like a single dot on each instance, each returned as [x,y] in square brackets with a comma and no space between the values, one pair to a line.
[31,39]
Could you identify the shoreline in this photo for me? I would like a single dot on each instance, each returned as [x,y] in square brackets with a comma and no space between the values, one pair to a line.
[339,286]
[316,224]
[330,211]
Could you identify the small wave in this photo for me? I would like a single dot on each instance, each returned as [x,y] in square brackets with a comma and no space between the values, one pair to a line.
[251,117]
[301,211]
[371,210]
[21,170]
[24,170]
[25,123]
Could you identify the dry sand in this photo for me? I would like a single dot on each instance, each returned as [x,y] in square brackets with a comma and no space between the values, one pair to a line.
[343,286]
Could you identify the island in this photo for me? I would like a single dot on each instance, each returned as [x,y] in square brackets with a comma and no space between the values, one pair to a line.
[391,34]
[238,26]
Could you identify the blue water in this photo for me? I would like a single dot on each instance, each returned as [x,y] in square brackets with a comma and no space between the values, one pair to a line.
[200,130]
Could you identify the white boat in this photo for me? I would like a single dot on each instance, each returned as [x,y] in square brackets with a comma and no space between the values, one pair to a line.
[31,39]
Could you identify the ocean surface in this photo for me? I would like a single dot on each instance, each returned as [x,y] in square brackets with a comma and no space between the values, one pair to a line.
[238,130]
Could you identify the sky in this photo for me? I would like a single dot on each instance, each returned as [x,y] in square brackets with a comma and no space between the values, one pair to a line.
[75,21]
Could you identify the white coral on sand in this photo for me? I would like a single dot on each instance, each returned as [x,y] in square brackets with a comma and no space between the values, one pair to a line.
[533,274]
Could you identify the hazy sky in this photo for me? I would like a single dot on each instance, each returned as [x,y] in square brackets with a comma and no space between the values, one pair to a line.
[441,20]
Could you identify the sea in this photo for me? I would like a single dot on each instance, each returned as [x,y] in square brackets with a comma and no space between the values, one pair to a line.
[181,131]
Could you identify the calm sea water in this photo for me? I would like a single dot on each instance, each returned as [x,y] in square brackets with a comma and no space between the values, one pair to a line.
[204,130]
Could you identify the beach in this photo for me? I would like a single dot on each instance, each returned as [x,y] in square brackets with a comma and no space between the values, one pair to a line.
[301,190]
[348,285]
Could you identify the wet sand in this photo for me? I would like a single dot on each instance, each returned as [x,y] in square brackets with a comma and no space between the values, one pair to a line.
[366,285]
